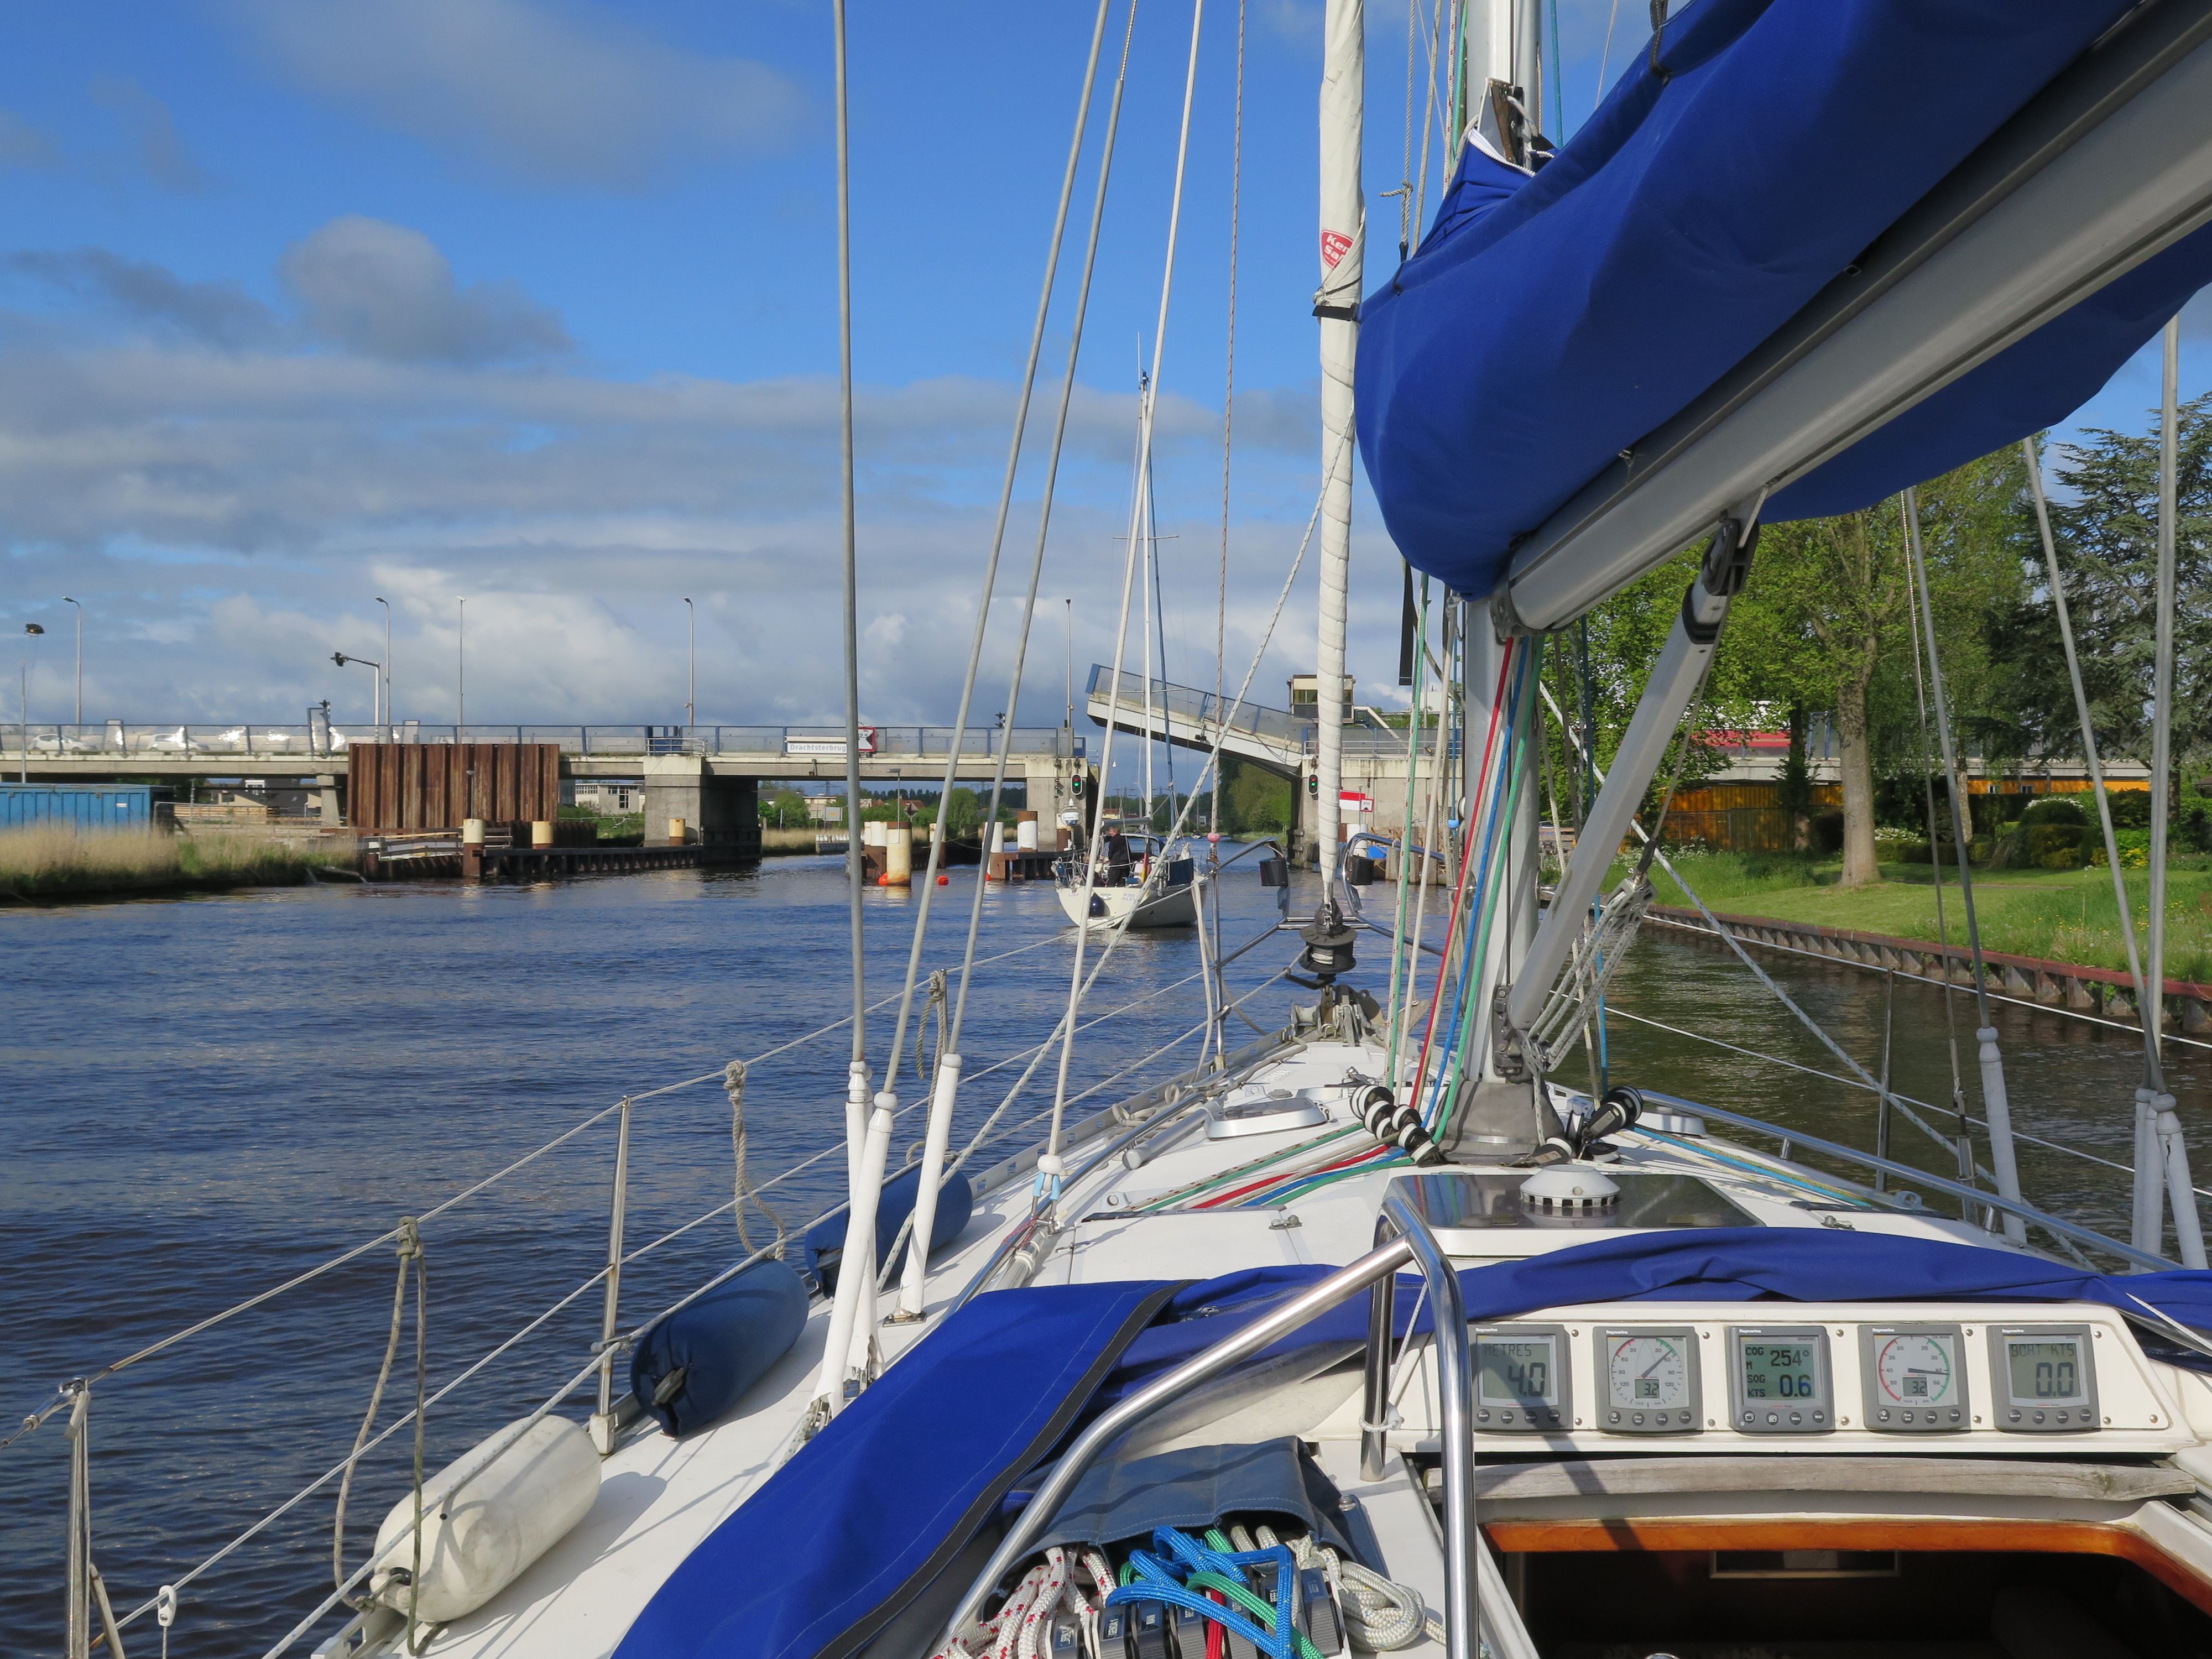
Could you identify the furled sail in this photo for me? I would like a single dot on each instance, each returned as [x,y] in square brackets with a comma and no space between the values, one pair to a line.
[1755,152]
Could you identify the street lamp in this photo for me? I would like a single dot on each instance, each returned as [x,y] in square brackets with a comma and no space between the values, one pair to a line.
[31,630]
[80,659]
[376,681]
[691,667]
[389,715]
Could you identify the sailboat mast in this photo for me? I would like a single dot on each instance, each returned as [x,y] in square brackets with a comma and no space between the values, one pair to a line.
[1343,222]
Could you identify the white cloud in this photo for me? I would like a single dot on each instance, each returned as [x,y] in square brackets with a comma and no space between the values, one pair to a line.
[385,291]
[567,95]
[226,502]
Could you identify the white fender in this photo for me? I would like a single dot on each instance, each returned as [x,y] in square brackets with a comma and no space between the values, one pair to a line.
[484,1521]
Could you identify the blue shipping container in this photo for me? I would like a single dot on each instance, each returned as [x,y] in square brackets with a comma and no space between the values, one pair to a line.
[85,805]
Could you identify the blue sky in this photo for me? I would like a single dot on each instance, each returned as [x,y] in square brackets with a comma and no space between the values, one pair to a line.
[532,301]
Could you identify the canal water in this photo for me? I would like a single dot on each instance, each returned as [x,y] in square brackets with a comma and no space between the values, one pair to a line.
[211,1095]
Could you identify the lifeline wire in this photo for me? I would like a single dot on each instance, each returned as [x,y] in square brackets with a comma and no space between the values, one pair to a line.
[1145,429]
[582,1289]
[1051,480]
[998,539]
[465,1194]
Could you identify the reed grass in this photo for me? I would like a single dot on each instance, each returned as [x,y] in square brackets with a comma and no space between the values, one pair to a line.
[57,861]
[2058,915]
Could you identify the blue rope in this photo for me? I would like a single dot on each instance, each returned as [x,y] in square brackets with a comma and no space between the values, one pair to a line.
[1161,1580]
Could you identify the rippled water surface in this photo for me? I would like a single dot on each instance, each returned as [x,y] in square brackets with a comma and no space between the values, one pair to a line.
[208,1095]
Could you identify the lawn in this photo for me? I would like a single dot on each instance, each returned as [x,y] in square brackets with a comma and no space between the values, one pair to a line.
[2061,915]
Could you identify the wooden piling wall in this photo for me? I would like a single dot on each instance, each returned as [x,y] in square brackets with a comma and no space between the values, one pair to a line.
[438,786]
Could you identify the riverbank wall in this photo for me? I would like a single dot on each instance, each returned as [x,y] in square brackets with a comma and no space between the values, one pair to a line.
[2103,992]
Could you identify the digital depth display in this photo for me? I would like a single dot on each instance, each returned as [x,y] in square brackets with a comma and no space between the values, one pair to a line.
[1786,1371]
[2045,1370]
[1518,1370]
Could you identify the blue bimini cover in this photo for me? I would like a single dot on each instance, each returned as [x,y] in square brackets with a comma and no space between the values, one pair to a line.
[1545,324]
[843,1537]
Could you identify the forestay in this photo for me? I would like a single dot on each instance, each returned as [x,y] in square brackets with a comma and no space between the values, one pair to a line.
[1754,151]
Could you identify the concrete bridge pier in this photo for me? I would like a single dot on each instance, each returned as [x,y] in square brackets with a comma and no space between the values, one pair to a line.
[720,814]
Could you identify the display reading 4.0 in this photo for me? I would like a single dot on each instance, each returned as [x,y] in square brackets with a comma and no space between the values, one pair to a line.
[1780,1370]
[1518,1373]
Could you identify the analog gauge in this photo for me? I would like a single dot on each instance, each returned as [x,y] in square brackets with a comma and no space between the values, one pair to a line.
[1651,1381]
[1913,1379]
[1917,1369]
[1648,1373]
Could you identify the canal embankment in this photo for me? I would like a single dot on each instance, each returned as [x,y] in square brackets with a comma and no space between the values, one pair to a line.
[46,862]
[2051,938]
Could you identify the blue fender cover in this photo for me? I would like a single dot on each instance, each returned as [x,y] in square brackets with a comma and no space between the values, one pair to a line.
[723,1343]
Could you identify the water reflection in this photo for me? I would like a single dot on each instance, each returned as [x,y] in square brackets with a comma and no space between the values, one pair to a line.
[2071,1083]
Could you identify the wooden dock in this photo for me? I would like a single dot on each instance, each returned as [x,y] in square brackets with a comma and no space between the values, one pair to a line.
[410,858]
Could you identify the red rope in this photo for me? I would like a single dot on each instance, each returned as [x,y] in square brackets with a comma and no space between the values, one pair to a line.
[1466,868]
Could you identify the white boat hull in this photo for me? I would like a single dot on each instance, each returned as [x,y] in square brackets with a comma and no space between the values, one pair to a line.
[1176,908]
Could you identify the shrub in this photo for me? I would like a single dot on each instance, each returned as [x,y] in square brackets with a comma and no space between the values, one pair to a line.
[2057,846]
[2054,810]
[2130,808]
[1827,829]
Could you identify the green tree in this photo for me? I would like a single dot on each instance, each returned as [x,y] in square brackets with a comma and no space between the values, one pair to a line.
[1254,801]
[2104,521]
[1825,622]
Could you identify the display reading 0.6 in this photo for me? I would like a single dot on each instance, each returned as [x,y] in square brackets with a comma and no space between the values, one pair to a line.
[1780,1370]
[1779,1382]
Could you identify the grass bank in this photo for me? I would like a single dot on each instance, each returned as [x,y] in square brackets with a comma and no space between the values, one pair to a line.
[2061,915]
[54,861]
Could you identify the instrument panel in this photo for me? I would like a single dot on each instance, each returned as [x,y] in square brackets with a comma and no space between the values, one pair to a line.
[1860,1376]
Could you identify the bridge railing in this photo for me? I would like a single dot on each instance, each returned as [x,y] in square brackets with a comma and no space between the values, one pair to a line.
[319,741]
[1188,707]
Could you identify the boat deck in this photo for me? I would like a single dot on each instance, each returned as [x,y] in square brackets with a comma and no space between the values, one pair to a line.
[660,1497]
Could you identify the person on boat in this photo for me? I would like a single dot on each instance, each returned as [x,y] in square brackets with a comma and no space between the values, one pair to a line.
[1117,858]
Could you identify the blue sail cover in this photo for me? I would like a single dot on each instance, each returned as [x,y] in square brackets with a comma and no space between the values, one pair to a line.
[1546,324]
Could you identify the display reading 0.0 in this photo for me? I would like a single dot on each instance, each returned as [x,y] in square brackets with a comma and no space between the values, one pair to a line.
[1780,1370]
[2047,1370]
[2046,1376]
